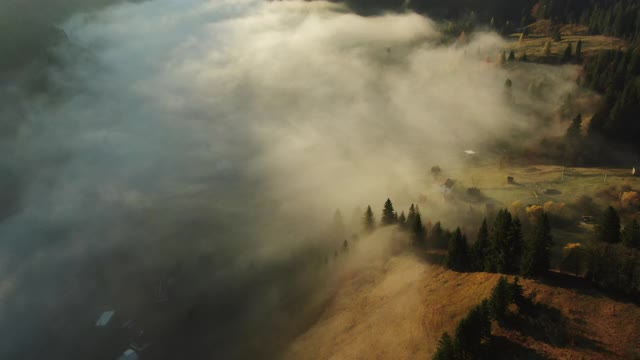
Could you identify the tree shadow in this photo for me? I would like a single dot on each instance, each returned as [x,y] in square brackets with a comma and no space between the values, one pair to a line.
[583,286]
[504,349]
[547,324]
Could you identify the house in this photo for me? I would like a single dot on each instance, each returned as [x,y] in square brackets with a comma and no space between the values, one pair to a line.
[106,319]
[129,354]
[447,186]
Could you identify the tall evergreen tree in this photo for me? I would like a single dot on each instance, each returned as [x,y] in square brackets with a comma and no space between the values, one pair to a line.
[368,221]
[445,349]
[457,253]
[411,217]
[473,332]
[516,244]
[419,231]
[536,259]
[388,214]
[402,220]
[500,298]
[500,242]
[568,53]
[579,51]
[480,249]
[574,130]
[512,56]
[608,230]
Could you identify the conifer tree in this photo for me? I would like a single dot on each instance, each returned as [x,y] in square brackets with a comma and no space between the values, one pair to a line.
[574,130]
[473,332]
[480,249]
[411,217]
[500,298]
[368,221]
[516,244]
[500,239]
[512,56]
[579,51]
[609,228]
[388,214]
[402,220]
[445,349]
[567,53]
[419,231]
[537,255]
[457,252]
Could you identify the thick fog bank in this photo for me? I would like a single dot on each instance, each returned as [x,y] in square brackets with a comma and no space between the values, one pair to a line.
[216,137]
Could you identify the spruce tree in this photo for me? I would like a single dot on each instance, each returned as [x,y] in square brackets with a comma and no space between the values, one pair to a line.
[480,249]
[516,244]
[411,217]
[609,228]
[574,130]
[419,231]
[402,220]
[579,51]
[457,252]
[445,349]
[512,56]
[473,332]
[536,259]
[500,298]
[567,53]
[388,214]
[368,221]
[500,238]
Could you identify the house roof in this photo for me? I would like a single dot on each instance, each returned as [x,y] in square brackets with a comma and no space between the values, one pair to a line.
[129,354]
[448,183]
[105,318]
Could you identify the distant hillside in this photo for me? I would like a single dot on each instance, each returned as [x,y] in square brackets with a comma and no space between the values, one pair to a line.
[400,308]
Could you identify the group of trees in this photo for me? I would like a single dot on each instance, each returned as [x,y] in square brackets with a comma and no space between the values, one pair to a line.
[502,248]
[412,222]
[609,17]
[473,334]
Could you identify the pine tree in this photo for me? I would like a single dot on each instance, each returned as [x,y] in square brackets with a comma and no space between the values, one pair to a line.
[473,332]
[500,238]
[368,221]
[480,249]
[445,349]
[523,58]
[557,36]
[402,220]
[609,228]
[411,217]
[512,56]
[567,53]
[631,236]
[388,214]
[457,252]
[500,298]
[516,244]
[574,130]
[579,51]
[536,259]
[419,231]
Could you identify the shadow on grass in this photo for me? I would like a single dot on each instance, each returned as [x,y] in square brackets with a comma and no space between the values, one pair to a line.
[505,349]
[583,286]
[547,324]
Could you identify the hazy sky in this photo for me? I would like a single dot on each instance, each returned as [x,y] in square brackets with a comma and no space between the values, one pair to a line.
[256,118]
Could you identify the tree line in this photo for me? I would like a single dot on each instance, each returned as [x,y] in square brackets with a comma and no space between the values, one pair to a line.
[472,337]
[503,248]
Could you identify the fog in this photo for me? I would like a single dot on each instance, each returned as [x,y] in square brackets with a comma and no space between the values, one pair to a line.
[227,132]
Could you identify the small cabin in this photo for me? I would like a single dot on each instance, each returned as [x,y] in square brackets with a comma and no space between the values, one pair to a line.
[511,180]
[447,186]
[588,219]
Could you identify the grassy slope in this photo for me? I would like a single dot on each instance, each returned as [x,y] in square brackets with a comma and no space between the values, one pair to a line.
[400,309]
[540,33]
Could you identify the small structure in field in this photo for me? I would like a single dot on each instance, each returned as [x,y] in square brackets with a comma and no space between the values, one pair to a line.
[587,219]
[436,170]
[129,354]
[447,186]
[106,319]
[511,180]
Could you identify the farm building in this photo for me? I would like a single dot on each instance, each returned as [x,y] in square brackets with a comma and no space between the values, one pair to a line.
[447,186]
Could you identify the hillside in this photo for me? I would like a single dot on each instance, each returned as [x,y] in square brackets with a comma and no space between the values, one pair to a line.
[398,310]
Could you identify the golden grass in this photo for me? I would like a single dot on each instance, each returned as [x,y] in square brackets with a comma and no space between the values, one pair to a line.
[399,311]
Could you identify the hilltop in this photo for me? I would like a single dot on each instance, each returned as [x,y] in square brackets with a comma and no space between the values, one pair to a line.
[398,309]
